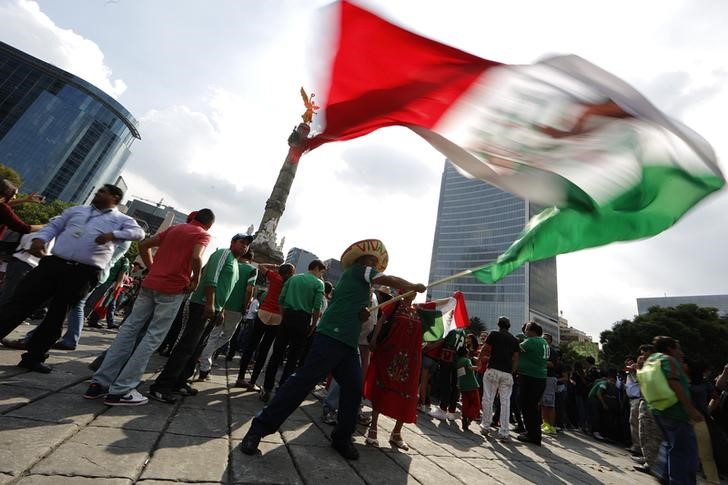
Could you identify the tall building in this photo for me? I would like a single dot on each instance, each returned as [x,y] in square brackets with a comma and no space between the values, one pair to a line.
[333,270]
[709,301]
[64,136]
[476,223]
[300,258]
[157,216]
[571,334]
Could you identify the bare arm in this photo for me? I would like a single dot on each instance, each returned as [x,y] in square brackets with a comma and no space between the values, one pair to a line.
[399,283]
[145,250]
[197,251]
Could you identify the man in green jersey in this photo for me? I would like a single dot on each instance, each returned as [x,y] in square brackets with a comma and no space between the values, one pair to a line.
[235,308]
[334,349]
[532,381]
[218,279]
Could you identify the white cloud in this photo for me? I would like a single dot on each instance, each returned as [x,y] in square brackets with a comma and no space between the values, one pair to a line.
[27,28]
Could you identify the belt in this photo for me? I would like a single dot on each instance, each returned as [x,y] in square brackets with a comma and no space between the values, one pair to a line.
[74,263]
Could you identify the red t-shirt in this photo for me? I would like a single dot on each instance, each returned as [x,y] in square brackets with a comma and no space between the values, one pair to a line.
[275,285]
[170,273]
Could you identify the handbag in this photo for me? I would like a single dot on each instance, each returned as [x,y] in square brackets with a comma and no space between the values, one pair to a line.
[654,386]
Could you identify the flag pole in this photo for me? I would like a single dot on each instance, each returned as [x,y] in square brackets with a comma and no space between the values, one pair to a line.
[410,293]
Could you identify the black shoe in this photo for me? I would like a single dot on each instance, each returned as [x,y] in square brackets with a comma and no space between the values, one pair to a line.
[203,375]
[524,438]
[95,391]
[519,429]
[18,344]
[642,468]
[164,397]
[345,448]
[249,445]
[186,390]
[35,366]
[112,326]
[62,346]
[264,395]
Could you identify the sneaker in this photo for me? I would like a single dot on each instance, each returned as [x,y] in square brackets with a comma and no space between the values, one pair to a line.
[364,419]
[60,345]
[485,430]
[330,418]
[598,436]
[438,414]
[203,375]
[95,391]
[504,438]
[186,390]
[17,344]
[524,438]
[164,397]
[451,416]
[131,398]
[548,429]
[642,469]
[35,366]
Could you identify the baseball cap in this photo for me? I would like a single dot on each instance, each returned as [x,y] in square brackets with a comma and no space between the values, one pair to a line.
[245,237]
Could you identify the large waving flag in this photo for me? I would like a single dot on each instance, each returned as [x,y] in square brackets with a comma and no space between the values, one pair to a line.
[562,133]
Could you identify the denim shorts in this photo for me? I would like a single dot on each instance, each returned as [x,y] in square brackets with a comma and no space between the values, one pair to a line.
[549,394]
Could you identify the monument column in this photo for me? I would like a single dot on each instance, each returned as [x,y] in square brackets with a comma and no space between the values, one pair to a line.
[265,245]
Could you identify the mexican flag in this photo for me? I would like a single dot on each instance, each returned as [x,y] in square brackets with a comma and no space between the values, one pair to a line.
[562,133]
[440,316]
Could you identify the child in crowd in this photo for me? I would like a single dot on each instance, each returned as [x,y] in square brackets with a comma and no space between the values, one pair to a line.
[468,387]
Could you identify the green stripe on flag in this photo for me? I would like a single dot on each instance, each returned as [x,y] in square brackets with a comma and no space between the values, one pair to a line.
[663,197]
[433,327]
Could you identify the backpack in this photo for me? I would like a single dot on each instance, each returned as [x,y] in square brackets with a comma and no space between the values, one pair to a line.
[654,386]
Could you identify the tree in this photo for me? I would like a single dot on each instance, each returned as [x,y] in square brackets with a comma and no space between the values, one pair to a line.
[702,333]
[476,325]
[578,351]
[40,213]
[10,174]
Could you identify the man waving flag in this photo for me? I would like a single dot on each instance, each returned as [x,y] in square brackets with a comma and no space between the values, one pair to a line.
[562,133]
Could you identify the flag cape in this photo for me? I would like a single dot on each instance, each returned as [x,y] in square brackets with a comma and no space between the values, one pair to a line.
[441,316]
[562,133]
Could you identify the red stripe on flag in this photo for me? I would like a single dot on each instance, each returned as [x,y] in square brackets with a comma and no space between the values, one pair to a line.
[461,311]
[384,75]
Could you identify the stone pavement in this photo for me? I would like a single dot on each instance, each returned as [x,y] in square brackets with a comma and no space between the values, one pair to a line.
[49,434]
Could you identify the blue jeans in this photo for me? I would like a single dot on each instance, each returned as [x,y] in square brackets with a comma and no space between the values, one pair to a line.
[326,355]
[677,461]
[74,322]
[124,366]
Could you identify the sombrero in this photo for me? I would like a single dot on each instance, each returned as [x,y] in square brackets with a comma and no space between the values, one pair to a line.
[373,247]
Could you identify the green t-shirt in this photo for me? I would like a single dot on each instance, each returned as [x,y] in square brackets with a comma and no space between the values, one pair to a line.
[672,370]
[341,319]
[247,273]
[533,358]
[221,271]
[601,384]
[466,376]
[122,265]
[303,292]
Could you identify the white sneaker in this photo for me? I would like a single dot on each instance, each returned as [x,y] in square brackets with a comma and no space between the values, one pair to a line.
[451,416]
[598,436]
[438,414]
[131,398]
[485,430]
[504,438]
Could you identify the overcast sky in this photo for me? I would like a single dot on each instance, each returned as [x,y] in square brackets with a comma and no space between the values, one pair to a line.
[215,84]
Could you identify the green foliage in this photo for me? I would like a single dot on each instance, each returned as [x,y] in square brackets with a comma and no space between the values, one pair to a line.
[703,335]
[476,325]
[10,174]
[578,351]
[40,213]
[133,251]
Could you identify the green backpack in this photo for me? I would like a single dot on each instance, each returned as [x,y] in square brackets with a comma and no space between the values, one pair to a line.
[654,386]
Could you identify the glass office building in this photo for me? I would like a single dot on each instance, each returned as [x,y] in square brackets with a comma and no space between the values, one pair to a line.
[64,136]
[476,223]
[300,258]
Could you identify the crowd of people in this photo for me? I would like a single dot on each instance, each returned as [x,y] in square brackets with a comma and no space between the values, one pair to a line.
[363,336]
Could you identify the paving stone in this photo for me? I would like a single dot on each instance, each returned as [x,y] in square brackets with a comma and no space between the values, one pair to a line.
[214,398]
[189,458]
[376,467]
[61,408]
[65,480]
[419,444]
[307,434]
[241,424]
[24,441]
[199,422]
[5,478]
[309,460]
[423,469]
[166,482]
[462,470]
[100,452]
[59,378]
[274,465]
[151,417]
[12,397]
[499,471]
